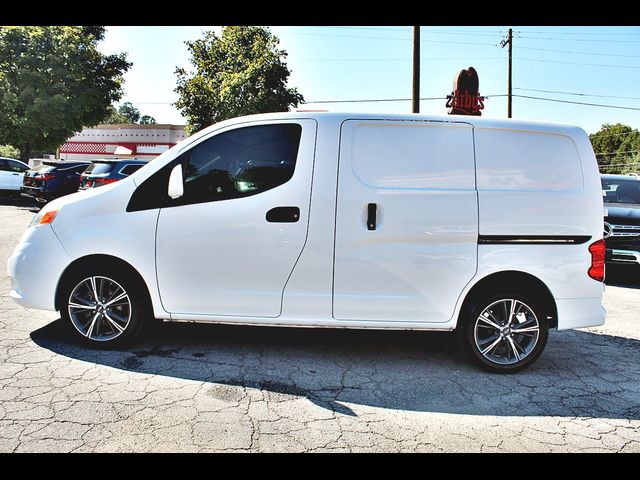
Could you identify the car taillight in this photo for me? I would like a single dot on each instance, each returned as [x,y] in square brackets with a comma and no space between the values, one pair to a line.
[104,181]
[44,177]
[597,251]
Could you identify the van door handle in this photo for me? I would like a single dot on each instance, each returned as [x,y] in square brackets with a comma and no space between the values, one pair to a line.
[283,215]
[372,210]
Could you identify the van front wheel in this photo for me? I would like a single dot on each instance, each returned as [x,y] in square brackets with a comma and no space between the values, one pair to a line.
[505,332]
[104,306]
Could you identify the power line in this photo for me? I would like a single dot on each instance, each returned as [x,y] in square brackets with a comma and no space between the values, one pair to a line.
[459,43]
[616,134]
[371,37]
[424,59]
[462,32]
[579,33]
[365,37]
[577,63]
[374,100]
[617,153]
[377,100]
[617,165]
[447,31]
[430,30]
[580,53]
[577,103]
[575,93]
[599,40]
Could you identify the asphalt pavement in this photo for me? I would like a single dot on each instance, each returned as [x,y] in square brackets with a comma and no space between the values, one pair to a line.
[198,388]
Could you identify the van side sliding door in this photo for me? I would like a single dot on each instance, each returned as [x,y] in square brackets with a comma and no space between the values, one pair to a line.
[406,221]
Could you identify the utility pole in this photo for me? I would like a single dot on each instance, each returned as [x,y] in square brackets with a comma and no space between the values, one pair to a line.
[509,40]
[416,70]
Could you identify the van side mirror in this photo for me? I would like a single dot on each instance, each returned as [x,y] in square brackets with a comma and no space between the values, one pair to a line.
[176,187]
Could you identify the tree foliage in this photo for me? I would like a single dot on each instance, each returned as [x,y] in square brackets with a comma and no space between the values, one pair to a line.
[53,82]
[9,151]
[127,113]
[147,120]
[238,73]
[617,148]
[131,113]
[114,117]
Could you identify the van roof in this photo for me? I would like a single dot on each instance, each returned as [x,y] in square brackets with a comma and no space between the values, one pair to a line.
[480,122]
[333,117]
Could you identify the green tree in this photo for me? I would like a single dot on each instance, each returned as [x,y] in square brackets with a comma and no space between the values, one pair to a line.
[9,151]
[609,142]
[626,159]
[53,82]
[239,73]
[634,164]
[127,113]
[147,120]
[114,117]
[131,113]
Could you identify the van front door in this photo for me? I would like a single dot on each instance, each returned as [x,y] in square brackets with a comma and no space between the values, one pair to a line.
[406,221]
[229,244]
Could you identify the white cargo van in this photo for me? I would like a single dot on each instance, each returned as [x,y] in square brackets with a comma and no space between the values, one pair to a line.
[491,227]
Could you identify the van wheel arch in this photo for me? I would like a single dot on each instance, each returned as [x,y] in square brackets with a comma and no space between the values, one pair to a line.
[100,259]
[510,281]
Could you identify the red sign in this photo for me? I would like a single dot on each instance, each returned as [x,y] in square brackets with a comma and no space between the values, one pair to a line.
[465,98]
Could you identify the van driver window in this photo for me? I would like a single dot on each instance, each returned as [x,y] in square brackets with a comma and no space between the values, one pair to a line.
[241,162]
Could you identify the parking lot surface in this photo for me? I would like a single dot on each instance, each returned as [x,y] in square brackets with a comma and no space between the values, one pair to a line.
[228,388]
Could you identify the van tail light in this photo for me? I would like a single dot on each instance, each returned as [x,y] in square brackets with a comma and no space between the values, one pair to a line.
[597,251]
[104,181]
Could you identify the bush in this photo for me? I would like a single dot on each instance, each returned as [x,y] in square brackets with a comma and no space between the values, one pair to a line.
[9,151]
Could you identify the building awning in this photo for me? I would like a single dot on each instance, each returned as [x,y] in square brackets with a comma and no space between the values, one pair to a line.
[122,150]
[115,148]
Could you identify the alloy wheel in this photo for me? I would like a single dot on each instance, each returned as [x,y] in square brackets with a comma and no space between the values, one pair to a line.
[99,308]
[506,332]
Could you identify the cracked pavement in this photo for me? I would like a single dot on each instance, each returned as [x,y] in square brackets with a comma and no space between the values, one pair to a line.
[200,388]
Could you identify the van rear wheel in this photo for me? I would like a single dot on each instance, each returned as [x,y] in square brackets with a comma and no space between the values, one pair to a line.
[505,332]
[104,306]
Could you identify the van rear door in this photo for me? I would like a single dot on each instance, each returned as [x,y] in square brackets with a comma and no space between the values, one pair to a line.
[406,220]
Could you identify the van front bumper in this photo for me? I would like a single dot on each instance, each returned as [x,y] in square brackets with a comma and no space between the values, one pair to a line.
[35,267]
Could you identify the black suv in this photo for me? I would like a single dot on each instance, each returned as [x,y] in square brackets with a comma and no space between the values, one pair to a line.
[102,172]
[621,195]
[52,179]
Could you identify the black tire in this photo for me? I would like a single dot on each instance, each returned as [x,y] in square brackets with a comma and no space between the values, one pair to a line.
[103,326]
[478,335]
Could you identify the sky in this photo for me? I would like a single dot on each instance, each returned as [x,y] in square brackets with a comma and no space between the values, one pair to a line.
[598,65]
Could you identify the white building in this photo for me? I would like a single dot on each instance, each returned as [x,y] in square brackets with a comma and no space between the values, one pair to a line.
[122,141]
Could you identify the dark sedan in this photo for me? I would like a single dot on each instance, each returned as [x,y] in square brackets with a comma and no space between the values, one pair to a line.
[103,172]
[52,179]
[621,195]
